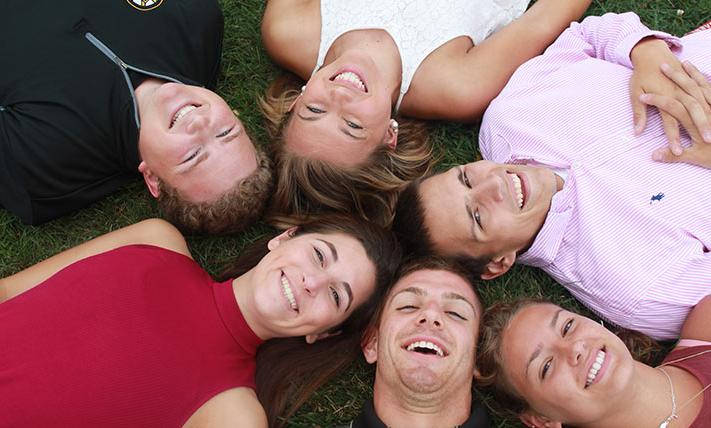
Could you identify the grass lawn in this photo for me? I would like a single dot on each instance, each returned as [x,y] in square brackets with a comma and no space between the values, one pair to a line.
[246,72]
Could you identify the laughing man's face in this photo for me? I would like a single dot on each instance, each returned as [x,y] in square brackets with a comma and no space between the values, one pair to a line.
[427,335]
[487,210]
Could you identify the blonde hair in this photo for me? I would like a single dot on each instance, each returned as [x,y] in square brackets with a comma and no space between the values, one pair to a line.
[306,187]
[232,212]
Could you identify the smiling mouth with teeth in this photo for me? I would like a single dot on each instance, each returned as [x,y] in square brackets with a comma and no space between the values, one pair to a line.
[288,293]
[181,113]
[518,187]
[597,365]
[352,79]
[425,347]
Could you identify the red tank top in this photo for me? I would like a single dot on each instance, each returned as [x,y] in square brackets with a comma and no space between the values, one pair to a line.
[135,337]
[700,367]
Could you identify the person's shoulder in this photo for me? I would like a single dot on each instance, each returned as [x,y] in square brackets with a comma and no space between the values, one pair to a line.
[236,407]
[291,31]
[156,232]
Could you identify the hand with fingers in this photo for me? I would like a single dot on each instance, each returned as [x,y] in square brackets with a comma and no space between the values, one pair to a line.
[658,73]
[691,107]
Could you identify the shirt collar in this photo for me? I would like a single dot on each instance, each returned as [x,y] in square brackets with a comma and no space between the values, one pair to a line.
[547,242]
[478,418]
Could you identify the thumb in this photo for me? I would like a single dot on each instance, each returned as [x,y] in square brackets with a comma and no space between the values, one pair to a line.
[665,155]
[692,155]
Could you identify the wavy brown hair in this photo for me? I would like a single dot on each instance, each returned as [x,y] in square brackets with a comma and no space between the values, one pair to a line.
[507,401]
[307,187]
[289,370]
[233,211]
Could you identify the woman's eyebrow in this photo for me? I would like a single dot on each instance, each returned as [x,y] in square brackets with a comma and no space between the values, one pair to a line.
[349,292]
[535,355]
[331,247]
[345,131]
[551,325]
[310,119]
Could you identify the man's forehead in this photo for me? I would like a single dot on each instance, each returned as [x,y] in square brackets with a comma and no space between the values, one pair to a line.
[427,282]
[429,184]
[439,206]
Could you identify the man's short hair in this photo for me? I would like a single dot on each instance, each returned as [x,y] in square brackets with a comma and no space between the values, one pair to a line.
[414,235]
[409,223]
[235,210]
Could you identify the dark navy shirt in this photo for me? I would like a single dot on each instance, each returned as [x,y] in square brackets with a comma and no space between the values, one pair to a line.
[479,418]
[68,123]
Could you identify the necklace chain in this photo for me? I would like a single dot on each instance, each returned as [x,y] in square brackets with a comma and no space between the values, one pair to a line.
[674,414]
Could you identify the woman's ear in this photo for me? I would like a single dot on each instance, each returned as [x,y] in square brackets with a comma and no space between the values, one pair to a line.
[293,103]
[284,236]
[533,419]
[312,338]
[390,138]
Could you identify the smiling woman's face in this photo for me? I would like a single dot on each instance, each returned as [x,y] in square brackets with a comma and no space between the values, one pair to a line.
[310,283]
[567,367]
[191,140]
[343,114]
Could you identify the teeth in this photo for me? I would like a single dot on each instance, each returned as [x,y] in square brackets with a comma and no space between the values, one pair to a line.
[426,345]
[519,191]
[182,112]
[349,76]
[286,288]
[592,374]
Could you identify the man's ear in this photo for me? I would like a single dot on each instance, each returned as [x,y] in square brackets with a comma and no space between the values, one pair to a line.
[533,419]
[499,266]
[370,347]
[152,180]
[284,236]
[312,338]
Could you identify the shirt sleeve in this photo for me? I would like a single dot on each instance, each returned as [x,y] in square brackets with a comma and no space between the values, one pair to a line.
[611,37]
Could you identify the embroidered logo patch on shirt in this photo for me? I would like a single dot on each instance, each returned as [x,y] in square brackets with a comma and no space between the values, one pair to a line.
[657,197]
[145,5]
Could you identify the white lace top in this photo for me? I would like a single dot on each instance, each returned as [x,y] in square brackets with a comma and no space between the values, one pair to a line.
[418,27]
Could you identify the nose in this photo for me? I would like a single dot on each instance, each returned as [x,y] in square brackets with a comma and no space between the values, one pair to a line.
[199,122]
[341,93]
[488,188]
[575,352]
[430,315]
[315,281]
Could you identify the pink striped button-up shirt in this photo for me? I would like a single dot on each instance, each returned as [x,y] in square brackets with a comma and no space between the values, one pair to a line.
[629,237]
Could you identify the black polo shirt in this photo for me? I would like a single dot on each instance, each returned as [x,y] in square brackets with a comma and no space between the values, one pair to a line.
[479,418]
[68,123]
